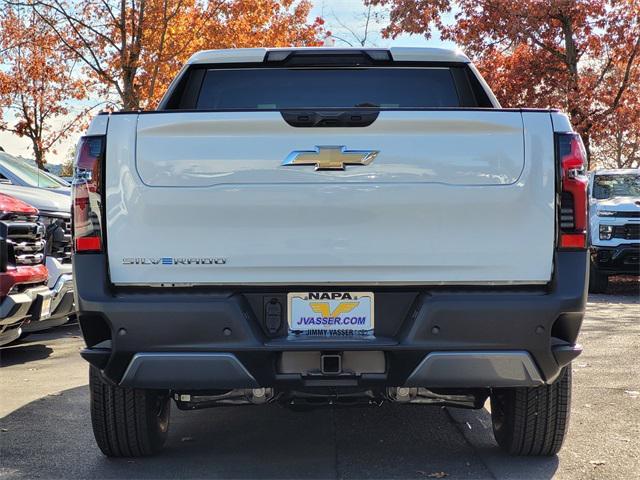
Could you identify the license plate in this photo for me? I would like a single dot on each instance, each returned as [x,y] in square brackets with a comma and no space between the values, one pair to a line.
[45,308]
[331,313]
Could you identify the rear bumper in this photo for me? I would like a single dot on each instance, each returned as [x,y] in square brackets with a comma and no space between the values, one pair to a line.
[621,260]
[437,370]
[166,370]
[201,339]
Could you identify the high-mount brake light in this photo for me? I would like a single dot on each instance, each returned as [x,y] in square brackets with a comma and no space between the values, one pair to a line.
[573,197]
[87,194]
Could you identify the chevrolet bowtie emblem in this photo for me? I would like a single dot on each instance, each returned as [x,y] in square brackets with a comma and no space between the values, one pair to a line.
[330,158]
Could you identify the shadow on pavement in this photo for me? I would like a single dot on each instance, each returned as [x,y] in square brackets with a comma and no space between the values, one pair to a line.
[52,438]
[18,353]
[33,346]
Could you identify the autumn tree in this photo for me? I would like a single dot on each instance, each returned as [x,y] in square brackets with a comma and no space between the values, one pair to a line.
[38,82]
[579,55]
[233,24]
[616,141]
[135,47]
[618,145]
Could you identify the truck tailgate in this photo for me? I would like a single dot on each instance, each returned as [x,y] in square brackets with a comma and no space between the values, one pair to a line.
[451,197]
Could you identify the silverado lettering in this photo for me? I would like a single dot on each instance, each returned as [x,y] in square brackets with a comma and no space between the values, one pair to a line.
[173,261]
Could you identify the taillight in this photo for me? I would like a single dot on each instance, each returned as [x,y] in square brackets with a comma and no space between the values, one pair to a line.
[572,161]
[87,194]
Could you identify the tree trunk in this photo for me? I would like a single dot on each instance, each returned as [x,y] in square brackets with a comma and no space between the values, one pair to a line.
[130,100]
[586,139]
[38,155]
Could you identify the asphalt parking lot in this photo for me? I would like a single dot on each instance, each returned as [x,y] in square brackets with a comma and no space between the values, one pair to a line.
[45,429]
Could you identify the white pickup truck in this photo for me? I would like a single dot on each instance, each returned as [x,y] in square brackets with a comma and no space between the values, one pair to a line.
[614,212]
[323,226]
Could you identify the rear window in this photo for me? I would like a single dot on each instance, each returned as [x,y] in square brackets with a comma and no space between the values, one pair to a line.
[298,88]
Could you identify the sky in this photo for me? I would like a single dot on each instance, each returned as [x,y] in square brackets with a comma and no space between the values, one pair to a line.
[340,17]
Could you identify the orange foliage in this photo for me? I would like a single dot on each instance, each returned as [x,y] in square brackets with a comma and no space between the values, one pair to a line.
[617,139]
[37,82]
[578,55]
[135,48]
[238,24]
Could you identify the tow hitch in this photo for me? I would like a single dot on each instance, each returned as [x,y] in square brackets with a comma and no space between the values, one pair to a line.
[331,364]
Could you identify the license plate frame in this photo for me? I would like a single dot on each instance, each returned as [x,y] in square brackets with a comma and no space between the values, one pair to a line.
[337,313]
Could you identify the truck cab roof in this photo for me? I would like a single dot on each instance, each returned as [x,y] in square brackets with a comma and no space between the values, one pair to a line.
[401,54]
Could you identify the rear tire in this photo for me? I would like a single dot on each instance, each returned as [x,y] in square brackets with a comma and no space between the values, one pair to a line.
[598,282]
[532,421]
[127,422]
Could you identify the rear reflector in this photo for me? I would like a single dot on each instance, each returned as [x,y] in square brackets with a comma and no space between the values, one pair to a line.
[88,244]
[573,240]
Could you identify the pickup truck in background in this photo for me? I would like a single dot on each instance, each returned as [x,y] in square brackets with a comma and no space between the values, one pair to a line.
[24,295]
[614,209]
[54,213]
[323,226]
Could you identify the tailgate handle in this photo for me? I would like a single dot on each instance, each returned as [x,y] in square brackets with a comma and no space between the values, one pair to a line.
[332,118]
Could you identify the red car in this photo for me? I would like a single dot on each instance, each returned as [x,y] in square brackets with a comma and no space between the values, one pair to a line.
[24,295]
